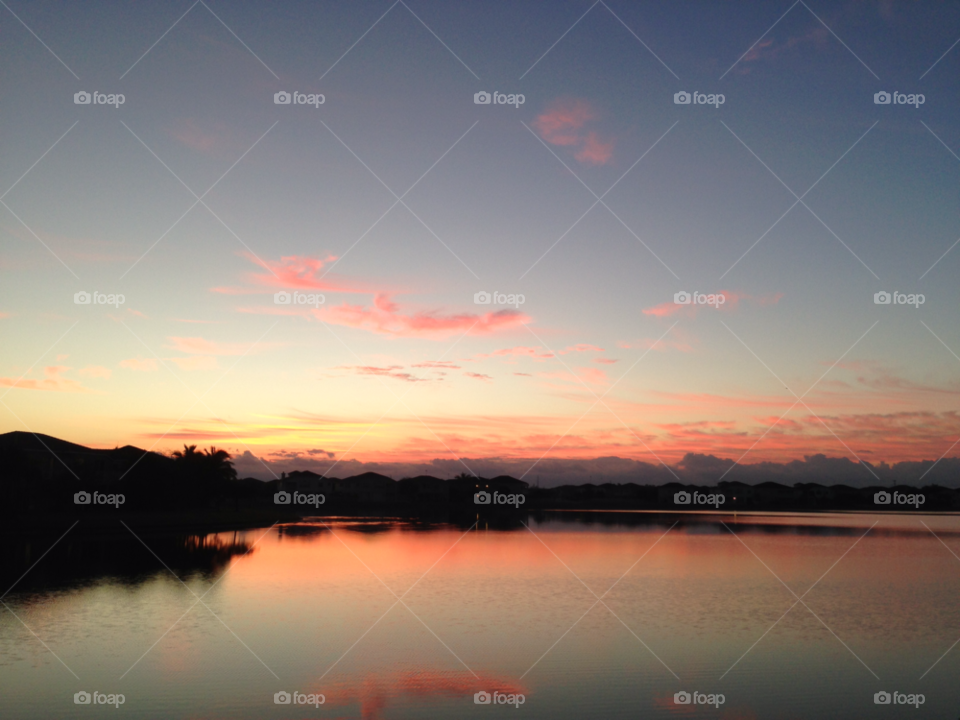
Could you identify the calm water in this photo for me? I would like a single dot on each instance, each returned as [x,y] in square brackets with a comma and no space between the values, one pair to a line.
[313,608]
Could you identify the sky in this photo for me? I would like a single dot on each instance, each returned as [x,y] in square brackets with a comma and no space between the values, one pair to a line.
[393,208]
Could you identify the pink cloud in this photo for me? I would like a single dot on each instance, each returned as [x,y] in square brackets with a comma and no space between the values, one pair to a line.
[293,272]
[385,317]
[563,124]
[732,300]
[391,371]
[593,151]
[478,376]
[605,361]
[534,353]
[581,347]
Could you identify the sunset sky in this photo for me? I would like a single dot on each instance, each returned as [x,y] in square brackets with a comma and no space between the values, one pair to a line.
[399,199]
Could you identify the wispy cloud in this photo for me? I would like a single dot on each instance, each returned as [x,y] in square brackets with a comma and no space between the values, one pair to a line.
[563,123]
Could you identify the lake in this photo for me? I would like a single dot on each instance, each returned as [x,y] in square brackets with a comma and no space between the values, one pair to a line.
[552,615]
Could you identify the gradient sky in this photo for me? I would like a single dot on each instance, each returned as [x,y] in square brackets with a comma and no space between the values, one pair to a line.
[399,364]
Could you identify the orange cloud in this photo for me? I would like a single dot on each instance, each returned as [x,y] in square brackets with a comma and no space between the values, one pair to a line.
[199,346]
[294,272]
[52,381]
[139,364]
[196,362]
[95,371]
[386,318]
